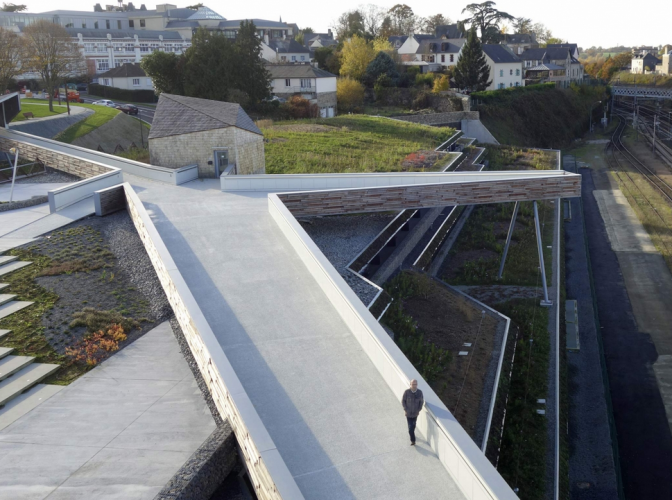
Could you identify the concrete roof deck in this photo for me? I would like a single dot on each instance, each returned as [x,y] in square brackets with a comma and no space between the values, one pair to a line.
[334,420]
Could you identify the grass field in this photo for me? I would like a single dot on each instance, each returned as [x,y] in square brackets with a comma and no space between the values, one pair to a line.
[101,116]
[350,143]
[38,110]
[627,78]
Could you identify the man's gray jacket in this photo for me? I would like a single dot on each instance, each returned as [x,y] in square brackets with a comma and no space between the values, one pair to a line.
[412,402]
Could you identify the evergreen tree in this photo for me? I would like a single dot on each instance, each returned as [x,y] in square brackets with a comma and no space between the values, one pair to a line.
[382,64]
[472,71]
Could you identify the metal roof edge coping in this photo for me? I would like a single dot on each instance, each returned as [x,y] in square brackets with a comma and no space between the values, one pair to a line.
[470,469]
[283,480]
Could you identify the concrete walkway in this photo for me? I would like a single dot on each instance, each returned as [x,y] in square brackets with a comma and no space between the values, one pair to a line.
[119,432]
[334,420]
[28,190]
[15,219]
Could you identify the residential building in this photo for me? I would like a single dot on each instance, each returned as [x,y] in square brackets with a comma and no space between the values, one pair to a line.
[314,41]
[449,32]
[573,47]
[285,50]
[644,49]
[430,53]
[307,81]
[520,42]
[562,57]
[129,76]
[644,63]
[665,66]
[397,41]
[217,136]
[506,69]
[275,30]
[546,73]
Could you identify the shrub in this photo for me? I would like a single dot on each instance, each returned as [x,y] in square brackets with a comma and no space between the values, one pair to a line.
[95,320]
[94,347]
[349,94]
[298,108]
[441,84]
[422,100]
[422,79]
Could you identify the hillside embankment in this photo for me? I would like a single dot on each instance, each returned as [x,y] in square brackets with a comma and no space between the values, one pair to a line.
[540,116]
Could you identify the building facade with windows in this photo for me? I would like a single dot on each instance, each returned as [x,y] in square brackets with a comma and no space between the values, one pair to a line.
[506,69]
[285,50]
[563,57]
[128,76]
[430,53]
[314,84]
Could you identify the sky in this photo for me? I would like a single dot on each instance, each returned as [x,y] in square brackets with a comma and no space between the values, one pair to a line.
[586,22]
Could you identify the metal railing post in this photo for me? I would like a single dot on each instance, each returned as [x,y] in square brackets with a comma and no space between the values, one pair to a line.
[546,302]
[16,162]
[508,240]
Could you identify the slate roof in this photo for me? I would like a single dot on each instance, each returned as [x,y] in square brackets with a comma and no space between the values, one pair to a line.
[545,67]
[448,31]
[259,23]
[205,13]
[440,46]
[542,54]
[519,38]
[177,115]
[124,71]
[397,38]
[297,71]
[142,34]
[287,46]
[499,54]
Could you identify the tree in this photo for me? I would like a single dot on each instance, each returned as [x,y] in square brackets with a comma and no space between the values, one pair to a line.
[301,35]
[472,71]
[349,24]
[382,64]
[10,57]
[541,32]
[195,6]
[429,24]
[164,68]
[441,83]
[11,7]
[522,25]
[382,45]
[553,40]
[373,17]
[403,20]
[487,18]
[349,94]
[253,77]
[356,55]
[52,54]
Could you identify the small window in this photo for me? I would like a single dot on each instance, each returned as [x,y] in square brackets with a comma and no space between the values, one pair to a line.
[142,23]
[303,58]
[136,82]
[452,58]
[283,58]
[306,83]
[118,25]
[288,82]
[84,25]
[510,72]
[107,23]
[95,25]
[106,81]
[443,58]
[70,25]
[131,23]
[517,72]
[517,84]
[501,72]
[293,58]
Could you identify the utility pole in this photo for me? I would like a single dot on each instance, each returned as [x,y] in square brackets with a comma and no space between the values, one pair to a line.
[655,121]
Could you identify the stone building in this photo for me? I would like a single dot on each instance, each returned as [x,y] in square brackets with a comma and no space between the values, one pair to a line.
[314,84]
[217,136]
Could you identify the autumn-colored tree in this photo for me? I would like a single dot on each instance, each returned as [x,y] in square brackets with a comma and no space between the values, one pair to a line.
[356,55]
[10,56]
[349,94]
[441,84]
[52,54]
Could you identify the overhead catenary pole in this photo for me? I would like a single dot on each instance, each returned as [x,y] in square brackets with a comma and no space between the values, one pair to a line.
[508,240]
[540,247]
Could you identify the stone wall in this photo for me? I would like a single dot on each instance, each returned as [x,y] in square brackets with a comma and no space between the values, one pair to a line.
[432,195]
[326,99]
[109,200]
[60,161]
[199,336]
[440,119]
[246,150]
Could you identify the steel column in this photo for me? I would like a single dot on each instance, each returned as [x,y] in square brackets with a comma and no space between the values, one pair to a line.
[508,240]
[546,302]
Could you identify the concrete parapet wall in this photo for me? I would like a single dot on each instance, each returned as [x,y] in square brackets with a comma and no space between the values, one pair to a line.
[439,119]
[472,472]
[72,193]
[267,470]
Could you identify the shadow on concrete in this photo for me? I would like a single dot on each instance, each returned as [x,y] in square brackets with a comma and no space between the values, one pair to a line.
[644,437]
[297,436]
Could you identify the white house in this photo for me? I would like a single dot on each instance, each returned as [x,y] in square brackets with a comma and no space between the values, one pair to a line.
[506,69]
[538,61]
[430,53]
[284,51]
[314,84]
[127,76]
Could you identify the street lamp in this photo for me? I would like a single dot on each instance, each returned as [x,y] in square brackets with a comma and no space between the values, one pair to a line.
[591,115]
[14,151]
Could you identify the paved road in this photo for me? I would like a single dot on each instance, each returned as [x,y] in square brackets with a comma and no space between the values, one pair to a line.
[644,438]
[145,113]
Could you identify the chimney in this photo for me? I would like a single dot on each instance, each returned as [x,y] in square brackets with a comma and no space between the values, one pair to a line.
[331,35]
[266,38]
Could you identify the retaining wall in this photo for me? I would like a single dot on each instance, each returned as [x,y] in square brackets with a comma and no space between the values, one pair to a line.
[266,468]
[472,472]
[72,193]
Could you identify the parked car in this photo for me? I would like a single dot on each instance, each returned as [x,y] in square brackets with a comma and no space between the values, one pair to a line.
[81,87]
[106,102]
[129,109]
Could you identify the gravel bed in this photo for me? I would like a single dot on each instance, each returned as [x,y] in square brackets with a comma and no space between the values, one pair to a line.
[341,238]
[35,200]
[51,176]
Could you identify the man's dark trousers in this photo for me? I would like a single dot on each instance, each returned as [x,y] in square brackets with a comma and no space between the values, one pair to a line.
[411,427]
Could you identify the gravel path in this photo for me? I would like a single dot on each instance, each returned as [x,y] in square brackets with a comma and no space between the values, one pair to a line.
[51,176]
[341,238]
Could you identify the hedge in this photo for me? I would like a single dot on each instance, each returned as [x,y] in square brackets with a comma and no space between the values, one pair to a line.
[106,92]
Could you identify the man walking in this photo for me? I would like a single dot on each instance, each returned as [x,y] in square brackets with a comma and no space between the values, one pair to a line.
[412,401]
